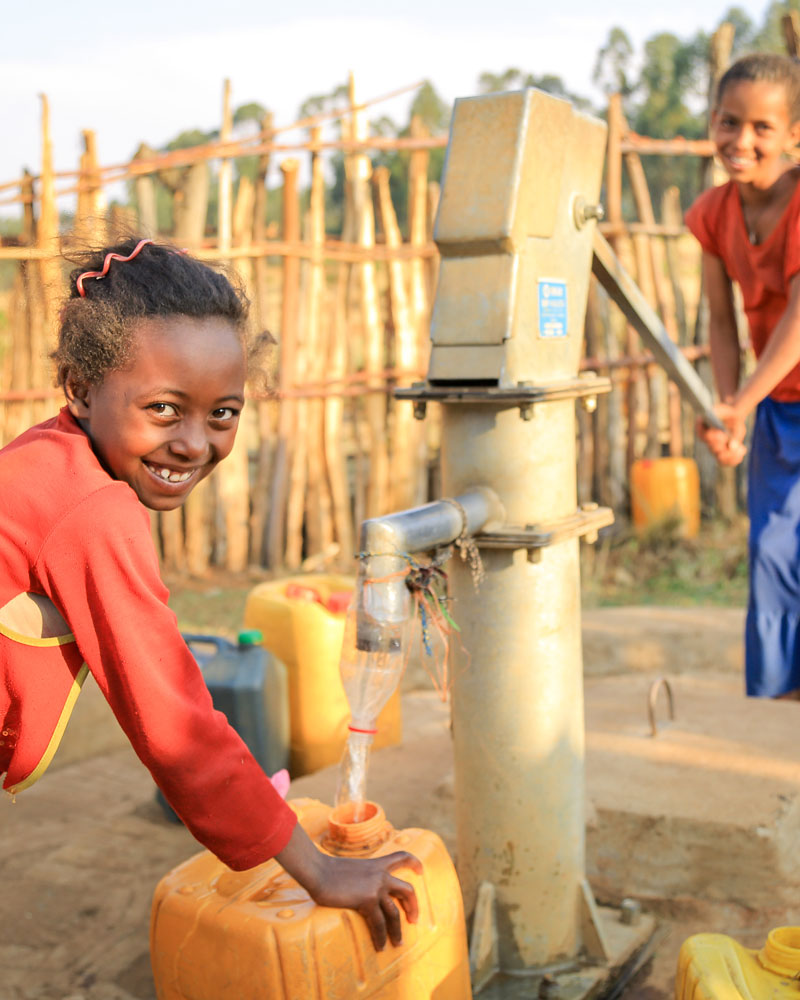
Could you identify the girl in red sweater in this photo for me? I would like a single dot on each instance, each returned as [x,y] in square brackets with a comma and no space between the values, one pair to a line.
[152,357]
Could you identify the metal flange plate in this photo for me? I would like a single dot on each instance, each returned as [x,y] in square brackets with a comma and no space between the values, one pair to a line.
[588,520]
[524,393]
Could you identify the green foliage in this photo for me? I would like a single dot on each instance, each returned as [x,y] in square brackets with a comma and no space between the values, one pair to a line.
[769,38]
[515,79]
[612,68]
[660,567]
[744,38]
[432,111]
[191,137]
[664,89]
[252,112]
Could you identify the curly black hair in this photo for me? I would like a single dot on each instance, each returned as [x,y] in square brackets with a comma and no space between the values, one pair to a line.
[96,334]
[766,67]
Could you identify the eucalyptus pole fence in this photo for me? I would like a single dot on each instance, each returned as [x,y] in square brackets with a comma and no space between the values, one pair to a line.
[325,444]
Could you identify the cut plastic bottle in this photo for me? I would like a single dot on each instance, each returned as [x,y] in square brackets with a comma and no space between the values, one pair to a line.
[374,654]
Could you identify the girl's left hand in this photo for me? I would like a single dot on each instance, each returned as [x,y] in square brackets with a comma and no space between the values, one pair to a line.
[726,446]
[362,884]
[368,886]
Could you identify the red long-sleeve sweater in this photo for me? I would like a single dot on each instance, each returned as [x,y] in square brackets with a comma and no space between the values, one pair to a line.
[80,590]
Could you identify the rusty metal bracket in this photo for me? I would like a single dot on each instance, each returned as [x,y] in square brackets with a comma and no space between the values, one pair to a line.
[655,687]
[586,386]
[586,521]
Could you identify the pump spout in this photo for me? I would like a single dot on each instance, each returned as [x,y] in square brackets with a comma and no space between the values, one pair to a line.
[385,541]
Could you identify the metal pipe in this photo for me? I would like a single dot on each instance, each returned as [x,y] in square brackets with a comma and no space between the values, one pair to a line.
[386,542]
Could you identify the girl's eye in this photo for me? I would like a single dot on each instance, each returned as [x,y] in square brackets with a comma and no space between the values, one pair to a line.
[225,413]
[163,409]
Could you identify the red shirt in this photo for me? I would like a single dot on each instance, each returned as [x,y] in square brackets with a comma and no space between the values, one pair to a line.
[75,537]
[763,272]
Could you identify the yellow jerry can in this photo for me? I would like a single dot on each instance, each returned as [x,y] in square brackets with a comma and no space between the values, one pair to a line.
[715,967]
[302,621]
[216,934]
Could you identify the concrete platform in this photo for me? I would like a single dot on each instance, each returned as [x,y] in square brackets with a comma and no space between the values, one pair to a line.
[705,814]
[703,818]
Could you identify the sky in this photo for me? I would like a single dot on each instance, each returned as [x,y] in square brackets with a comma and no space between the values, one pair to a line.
[146,70]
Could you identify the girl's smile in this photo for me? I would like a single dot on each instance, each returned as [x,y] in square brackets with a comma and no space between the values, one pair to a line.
[167,419]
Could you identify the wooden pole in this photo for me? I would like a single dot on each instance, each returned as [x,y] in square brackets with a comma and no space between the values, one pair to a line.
[233,475]
[261,298]
[267,415]
[715,483]
[420,294]
[145,188]
[298,456]
[190,206]
[279,486]
[347,513]
[406,431]
[665,400]
[90,224]
[617,127]
[319,521]
[433,422]
[47,236]
[224,224]
[790,23]
[672,216]
[187,533]
[373,332]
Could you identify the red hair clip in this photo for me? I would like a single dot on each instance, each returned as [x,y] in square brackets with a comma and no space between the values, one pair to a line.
[106,265]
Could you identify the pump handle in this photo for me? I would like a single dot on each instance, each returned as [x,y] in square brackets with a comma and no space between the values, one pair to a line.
[609,271]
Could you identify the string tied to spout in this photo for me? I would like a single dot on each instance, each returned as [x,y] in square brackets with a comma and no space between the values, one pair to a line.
[466,545]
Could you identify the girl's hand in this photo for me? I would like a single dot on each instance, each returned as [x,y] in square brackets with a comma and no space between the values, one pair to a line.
[726,446]
[367,886]
[362,884]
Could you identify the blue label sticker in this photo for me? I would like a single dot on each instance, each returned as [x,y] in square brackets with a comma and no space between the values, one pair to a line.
[552,308]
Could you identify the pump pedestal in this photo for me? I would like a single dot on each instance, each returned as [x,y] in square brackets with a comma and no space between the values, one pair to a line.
[515,230]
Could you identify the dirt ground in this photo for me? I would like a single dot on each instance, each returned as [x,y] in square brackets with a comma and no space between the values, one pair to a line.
[81,851]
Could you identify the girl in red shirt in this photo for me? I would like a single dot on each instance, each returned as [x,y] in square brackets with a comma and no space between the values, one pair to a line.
[152,357]
[749,230]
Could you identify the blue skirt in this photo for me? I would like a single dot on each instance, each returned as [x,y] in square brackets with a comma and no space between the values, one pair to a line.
[772,630]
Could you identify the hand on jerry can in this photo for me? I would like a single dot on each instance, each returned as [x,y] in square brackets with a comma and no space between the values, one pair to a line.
[365,885]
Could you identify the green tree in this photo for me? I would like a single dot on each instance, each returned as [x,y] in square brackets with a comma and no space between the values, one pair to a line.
[744,30]
[612,68]
[515,79]
[770,38]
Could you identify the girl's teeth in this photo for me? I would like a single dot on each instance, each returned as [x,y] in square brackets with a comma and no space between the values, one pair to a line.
[172,477]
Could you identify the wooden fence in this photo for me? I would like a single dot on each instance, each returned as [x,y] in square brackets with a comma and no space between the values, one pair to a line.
[329,446]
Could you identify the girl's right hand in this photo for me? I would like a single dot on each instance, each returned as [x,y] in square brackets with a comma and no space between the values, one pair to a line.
[726,446]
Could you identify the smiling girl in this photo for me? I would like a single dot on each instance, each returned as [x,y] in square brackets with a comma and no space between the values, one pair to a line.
[152,357]
[749,230]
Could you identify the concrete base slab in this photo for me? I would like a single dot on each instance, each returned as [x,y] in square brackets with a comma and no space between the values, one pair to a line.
[706,812]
